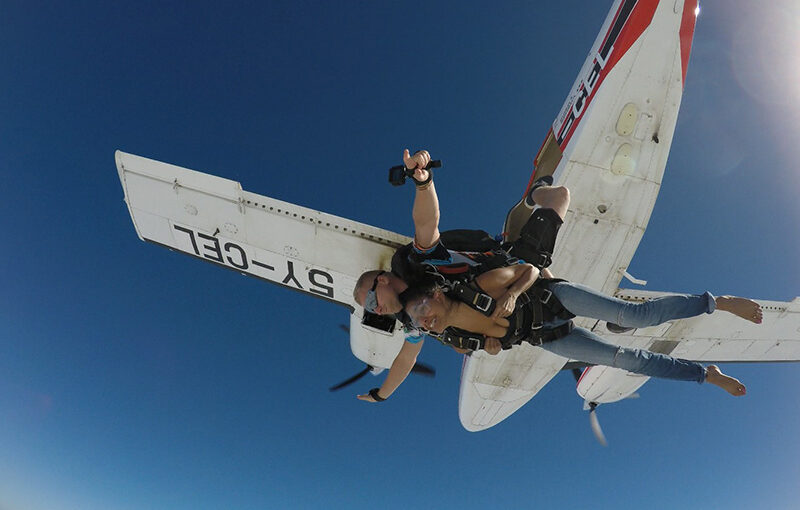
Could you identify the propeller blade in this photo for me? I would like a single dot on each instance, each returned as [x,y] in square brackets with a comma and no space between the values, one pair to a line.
[423,369]
[351,380]
[576,373]
[595,423]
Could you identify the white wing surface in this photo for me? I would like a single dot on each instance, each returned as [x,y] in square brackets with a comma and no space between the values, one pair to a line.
[494,387]
[719,337]
[609,145]
[213,219]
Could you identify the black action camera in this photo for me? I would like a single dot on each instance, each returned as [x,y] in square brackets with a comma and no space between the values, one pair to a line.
[398,174]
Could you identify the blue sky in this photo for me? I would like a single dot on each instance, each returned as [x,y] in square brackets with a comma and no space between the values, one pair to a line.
[132,377]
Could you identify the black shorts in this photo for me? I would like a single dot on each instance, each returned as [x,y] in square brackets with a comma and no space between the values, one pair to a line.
[537,238]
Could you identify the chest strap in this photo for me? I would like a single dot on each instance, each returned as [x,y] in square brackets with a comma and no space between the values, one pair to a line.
[462,339]
[470,294]
[473,297]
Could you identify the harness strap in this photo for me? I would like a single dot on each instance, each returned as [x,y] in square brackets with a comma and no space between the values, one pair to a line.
[539,300]
[543,336]
[537,313]
[541,260]
[466,340]
[493,260]
[473,298]
[462,339]
[519,323]
[554,305]
[550,302]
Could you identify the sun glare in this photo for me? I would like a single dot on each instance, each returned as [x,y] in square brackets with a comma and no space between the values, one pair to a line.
[766,53]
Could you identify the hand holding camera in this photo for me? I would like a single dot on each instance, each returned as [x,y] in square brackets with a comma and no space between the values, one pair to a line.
[417,167]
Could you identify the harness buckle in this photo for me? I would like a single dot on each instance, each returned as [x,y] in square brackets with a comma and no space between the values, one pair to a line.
[546,295]
[535,340]
[482,302]
[544,260]
[475,344]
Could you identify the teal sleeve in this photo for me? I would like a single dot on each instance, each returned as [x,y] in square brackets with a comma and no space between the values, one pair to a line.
[413,336]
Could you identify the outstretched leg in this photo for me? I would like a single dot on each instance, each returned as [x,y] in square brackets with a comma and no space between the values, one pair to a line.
[731,385]
[583,345]
[741,307]
[584,301]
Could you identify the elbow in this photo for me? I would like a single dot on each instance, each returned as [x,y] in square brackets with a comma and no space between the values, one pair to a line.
[531,275]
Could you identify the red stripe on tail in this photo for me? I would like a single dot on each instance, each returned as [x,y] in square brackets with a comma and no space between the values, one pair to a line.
[687,33]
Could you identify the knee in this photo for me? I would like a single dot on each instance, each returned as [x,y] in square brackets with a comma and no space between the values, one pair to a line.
[561,193]
[631,359]
[558,196]
[636,315]
[551,196]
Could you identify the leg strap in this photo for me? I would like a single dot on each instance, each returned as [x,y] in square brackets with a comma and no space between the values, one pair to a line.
[542,336]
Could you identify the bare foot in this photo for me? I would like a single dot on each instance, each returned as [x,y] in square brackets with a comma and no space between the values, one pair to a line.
[717,378]
[741,307]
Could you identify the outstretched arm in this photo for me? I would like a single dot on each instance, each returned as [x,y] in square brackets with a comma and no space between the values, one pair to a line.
[398,372]
[426,204]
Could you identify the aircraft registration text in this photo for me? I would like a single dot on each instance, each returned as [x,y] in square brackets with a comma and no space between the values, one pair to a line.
[260,263]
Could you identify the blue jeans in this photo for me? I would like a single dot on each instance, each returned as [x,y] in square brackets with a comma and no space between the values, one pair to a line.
[583,345]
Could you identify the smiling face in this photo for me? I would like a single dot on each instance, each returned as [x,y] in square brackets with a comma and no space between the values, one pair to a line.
[428,311]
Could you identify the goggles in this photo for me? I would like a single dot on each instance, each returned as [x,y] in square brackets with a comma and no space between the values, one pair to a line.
[419,310]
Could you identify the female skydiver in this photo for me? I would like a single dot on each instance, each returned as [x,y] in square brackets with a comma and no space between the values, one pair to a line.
[435,311]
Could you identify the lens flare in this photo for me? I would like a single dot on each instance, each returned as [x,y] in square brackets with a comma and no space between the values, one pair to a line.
[765,53]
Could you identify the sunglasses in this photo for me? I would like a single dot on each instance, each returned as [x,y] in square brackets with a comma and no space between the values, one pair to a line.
[371,299]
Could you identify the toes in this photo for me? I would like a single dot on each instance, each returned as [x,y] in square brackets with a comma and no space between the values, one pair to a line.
[738,388]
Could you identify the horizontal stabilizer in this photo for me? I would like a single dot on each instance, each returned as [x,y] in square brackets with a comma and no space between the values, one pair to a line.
[721,336]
